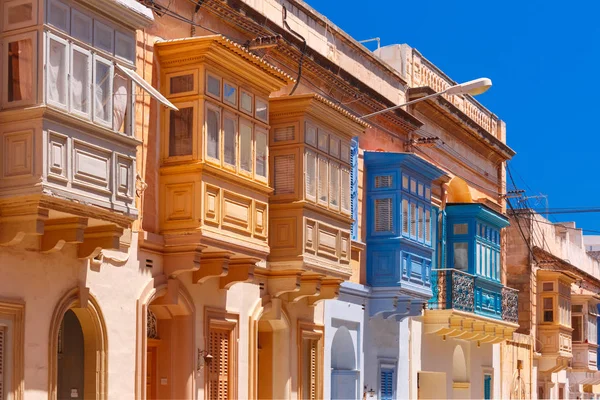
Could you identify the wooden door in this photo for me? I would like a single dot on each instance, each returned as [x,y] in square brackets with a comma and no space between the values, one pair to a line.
[151,372]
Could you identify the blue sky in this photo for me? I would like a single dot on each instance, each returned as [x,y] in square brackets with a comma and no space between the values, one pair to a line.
[542,56]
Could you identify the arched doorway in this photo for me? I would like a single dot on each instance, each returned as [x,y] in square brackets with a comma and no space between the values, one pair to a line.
[461,388]
[273,355]
[344,374]
[78,344]
[169,347]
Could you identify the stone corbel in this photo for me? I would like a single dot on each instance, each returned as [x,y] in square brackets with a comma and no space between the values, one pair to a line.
[410,309]
[58,232]
[279,283]
[17,222]
[240,270]
[172,295]
[212,265]
[309,287]
[96,238]
[329,290]
[179,260]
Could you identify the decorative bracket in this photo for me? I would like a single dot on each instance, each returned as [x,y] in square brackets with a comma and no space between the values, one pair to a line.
[309,287]
[212,265]
[329,290]
[183,259]
[284,282]
[96,238]
[240,270]
[58,232]
[16,223]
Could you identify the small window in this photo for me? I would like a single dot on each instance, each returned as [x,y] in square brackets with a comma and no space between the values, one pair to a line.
[460,229]
[577,325]
[103,37]
[420,190]
[20,70]
[213,86]
[57,71]
[58,15]
[413,186]
[19,14]
[81,26]
[181,124]
[81,76]
[122,103]
[413,219]
[404,182]
[323,185]
[548,309]
[405,216]
[179,84]
[285,174]
[345,193]
[284,133]
[428,193]
[262,112]
[246,102]
[125,46]
[548,286]
[334,186]
[461,255]
[310,135]
[311,175]
[383,215]
[245,146]
[213,130]
[261,153]
[229,139]
[334,146]
[577,308]
[383,181]
[230,93]
[103,83]
[345,153]
[323,140]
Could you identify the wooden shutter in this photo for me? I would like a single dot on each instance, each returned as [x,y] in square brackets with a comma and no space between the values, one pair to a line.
[218,369]
[2,343]
[323,175]
[354,186]
[284,133]
[383,181]
[345,192]
[285,174]
[311,175]
[487,387]
[313,387]
[386,384]
[383,215]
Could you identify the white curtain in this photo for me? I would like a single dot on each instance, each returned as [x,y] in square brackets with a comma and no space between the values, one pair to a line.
[212,134]
[79,82]
[102,91]
[120,102]
[56,72]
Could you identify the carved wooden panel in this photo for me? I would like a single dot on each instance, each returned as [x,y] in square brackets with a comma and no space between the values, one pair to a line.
[260,219]
[91,166]
[124,180]
[17,153]
[283,233]
[236,212]
[310,243]
[57,156]
[179,201]
[212,204]
[327,241]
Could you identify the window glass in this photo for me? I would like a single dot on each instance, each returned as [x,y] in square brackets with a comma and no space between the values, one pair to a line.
[181,84]
[103,37]
[213,85]
[20,70]
[460,229]
[102,91]
[420,222]
[121,103]
[334,146]
[548,308]
[420,189]
[230,93]
[311,172]
[577,308]
[323,140]
[80,80]
[181,124]
[427,226]
[81,26]
[58,15]
[334,185]
[461,255]
[323,186]
[57,66]
[229,138]
[405,216]
[261,153]
[213,122]
[548,286]
[428,193]
[404,182]
[261,110]
[413,186]
[246,146]
[310,135]
[345,152]
[246,102]
[413,219]
[124,47]
[577,325]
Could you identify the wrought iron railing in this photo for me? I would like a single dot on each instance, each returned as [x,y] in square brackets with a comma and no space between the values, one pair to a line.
[510,305]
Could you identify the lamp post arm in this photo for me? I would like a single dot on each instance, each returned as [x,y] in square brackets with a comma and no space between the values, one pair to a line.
[405,104]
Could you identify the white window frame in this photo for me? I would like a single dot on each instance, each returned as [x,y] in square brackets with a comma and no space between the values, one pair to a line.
[98,120]
[90,84]
[34,67]
[67,70]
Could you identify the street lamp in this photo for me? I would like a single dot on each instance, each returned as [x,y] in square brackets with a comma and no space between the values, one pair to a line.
[474,87]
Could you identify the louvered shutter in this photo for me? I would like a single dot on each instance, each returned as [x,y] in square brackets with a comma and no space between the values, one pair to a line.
[383,181]
[2,342]
[334,186]
[354,186]
[387,384]
[311,175]
[323,186]
[284,133]
[487,387]
[345,190]
[218,369]
[313,369]
[285,174]
[383,215]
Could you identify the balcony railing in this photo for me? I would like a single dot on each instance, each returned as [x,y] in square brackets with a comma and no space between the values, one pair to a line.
[458,290]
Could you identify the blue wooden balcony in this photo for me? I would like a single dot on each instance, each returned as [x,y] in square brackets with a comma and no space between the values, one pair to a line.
[458,290]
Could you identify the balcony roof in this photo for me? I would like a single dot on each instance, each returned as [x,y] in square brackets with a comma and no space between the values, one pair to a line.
[404,160]
[479,211]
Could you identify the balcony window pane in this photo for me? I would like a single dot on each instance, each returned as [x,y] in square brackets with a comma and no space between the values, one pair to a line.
[461,229]
[230,94]
[20,70]
[548,286]
[246,102]
[461,255]
[261,153]
[80,81]
[311,175]
[121,103]
[334,185]
[420,222]
[404,182]
[213,122]
[413,186]
[577,325]
[181,84]
[261,110]
[246,146]
[413,219]
[102,91]
[427,226]
[57,68]
[213,85]
[323,186]
[383,215]
[405,216]
[229,134]
[548,309]
[345,190]
[180,131]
